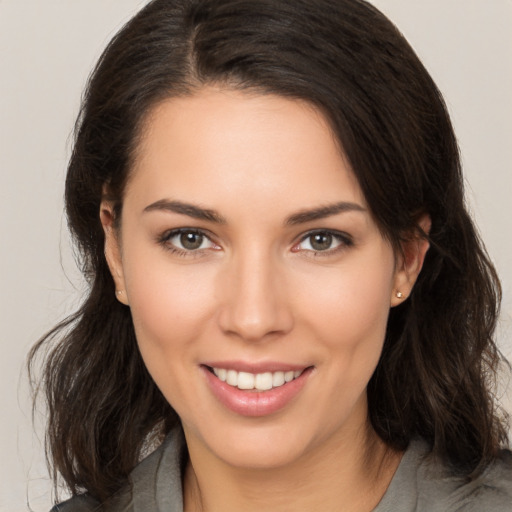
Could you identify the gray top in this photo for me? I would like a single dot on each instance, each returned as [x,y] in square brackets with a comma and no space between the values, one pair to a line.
[419,485]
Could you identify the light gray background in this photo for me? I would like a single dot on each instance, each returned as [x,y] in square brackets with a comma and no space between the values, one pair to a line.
[48,47]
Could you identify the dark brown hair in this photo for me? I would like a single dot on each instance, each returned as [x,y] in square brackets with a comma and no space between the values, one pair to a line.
[347,59]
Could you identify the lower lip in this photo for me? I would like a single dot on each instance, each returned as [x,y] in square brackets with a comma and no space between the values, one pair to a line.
[255,403]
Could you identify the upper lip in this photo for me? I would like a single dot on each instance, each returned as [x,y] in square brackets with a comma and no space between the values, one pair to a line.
[256,367]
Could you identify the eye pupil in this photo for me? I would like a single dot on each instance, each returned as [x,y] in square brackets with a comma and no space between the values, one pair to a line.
[321,241]
[191,241]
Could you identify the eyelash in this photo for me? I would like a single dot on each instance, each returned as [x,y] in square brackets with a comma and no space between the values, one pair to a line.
[165,241]
[344,241]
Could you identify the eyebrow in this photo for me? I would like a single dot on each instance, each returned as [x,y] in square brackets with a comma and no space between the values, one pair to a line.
[190,210]
[323,212]
[206,214]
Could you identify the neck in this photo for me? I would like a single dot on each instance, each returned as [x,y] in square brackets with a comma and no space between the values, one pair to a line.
[350,473]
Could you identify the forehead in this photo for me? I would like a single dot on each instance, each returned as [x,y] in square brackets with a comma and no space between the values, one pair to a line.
[221,141]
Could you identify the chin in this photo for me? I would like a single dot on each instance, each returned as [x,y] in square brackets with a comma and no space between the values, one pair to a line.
[261,451]
[267,444]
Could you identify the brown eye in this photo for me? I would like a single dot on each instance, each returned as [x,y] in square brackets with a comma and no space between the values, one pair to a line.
[326,242]
[186,241]
[321,241]
[191,241]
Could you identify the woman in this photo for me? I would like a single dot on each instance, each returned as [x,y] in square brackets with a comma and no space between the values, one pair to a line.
[288,299]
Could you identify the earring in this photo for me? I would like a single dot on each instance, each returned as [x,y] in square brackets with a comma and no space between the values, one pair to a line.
[399,295]
[119,292]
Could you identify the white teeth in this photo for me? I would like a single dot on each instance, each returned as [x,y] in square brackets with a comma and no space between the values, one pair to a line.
[263,381]
[221,373]
[246,380]
[232,378]
[288,376]
[277,379]
[259,381]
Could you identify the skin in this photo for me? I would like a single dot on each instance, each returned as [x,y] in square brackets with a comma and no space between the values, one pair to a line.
[256,291]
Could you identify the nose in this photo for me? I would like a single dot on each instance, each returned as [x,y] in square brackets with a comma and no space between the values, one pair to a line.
[255,304]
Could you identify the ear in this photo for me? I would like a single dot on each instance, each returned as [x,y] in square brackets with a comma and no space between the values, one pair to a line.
[410,261]
[113,250]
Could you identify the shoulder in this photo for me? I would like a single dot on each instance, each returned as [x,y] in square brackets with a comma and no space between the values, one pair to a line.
[424,484]
[491,490]
[81,503]
[154,484]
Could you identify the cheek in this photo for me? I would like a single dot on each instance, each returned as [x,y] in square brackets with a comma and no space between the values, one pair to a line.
[347,317]
[352,302]
[170,304]
[170,308]
[349,314]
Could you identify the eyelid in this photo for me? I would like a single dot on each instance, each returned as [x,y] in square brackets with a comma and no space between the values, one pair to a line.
[345,240]
[164,240]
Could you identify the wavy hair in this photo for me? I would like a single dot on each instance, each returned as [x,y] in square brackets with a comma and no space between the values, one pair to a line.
[345,58]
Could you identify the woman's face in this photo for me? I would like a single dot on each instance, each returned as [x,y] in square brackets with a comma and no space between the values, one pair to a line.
[248,257]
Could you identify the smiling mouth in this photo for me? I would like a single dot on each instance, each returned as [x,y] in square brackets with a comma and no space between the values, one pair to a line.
[255,381]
